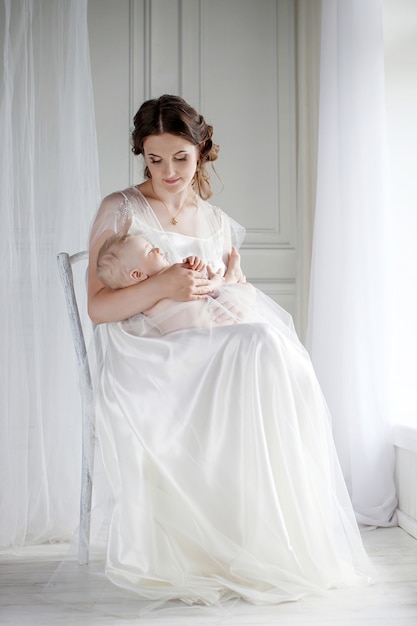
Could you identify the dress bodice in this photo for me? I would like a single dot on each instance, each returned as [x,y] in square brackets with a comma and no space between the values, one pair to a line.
[212,243]
[178,246]
[215,232]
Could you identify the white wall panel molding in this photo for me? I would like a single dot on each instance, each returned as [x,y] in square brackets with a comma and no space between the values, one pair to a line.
[165,47]
[270,263]
[139,61]
[234,61]
[191,31]
[140,68]
[247,88]
[282,292]
[109,28]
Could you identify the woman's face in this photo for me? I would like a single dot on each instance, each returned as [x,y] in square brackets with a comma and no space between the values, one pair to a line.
[172,161]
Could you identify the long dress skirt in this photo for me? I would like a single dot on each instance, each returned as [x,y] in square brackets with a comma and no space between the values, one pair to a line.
[217,445]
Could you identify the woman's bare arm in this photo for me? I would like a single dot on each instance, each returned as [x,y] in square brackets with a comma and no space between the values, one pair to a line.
[107,305]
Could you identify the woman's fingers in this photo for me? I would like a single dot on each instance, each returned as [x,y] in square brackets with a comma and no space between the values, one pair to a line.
[224,314]
[186,284]
[202,288]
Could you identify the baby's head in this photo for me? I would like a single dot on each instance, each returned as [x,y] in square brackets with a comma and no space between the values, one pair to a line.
[126,259]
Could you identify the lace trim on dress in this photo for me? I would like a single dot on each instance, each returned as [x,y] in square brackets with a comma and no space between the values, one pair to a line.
[125,209]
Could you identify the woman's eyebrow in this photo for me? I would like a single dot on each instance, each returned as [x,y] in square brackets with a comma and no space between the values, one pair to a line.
[152,154]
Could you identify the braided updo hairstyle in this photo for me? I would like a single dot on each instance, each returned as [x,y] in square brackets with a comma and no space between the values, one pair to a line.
[172,114]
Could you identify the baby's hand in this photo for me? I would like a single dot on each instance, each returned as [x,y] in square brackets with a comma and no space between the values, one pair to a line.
[194,263]
[216,279]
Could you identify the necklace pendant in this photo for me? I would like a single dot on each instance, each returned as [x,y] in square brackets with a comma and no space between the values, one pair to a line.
[174,221]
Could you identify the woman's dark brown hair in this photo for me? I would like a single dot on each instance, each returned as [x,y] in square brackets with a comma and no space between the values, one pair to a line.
[172,114]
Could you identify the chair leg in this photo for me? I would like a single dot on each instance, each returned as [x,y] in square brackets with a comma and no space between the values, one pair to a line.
[65,269]
[85,515]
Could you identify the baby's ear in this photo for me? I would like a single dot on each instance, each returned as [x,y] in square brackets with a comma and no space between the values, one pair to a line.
[138,276]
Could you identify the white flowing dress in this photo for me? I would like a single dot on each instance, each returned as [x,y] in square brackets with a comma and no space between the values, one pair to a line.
[217,445]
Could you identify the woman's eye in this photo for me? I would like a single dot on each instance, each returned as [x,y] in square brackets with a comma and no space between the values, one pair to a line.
[154,162]
[181,158]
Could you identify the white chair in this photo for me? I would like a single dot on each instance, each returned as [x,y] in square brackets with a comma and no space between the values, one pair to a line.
[65,263]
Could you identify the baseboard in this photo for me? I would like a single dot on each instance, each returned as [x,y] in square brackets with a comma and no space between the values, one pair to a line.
[405,442]
[407,523]
[405,437]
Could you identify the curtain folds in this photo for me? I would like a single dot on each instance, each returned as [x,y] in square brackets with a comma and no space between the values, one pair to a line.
[400,29]
[308,27]
[49,191]
[348,331]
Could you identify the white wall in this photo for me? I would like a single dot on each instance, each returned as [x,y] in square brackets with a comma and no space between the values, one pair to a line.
[400,37]
[109,33]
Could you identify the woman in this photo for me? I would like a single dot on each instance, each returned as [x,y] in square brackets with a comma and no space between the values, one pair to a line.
[216,442]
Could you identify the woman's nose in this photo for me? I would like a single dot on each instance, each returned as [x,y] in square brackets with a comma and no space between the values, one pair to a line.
[169,169]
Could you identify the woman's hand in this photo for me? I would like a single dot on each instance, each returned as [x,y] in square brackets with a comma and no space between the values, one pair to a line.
[236,304]
[180,283]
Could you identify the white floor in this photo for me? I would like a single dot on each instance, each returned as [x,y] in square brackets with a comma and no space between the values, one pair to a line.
[71,600]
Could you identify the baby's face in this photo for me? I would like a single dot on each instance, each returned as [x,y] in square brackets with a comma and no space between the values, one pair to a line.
[144,257]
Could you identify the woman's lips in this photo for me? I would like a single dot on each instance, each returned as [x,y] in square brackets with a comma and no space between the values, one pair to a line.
[171,181]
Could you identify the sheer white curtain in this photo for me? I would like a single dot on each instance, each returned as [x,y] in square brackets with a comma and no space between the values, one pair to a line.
[400,35]
[308,27]
[349,320]
[48,193]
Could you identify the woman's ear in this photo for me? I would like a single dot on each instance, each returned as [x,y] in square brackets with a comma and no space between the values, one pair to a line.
[138,276]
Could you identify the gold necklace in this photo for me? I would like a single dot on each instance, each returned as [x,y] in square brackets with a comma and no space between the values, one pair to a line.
[174,220]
